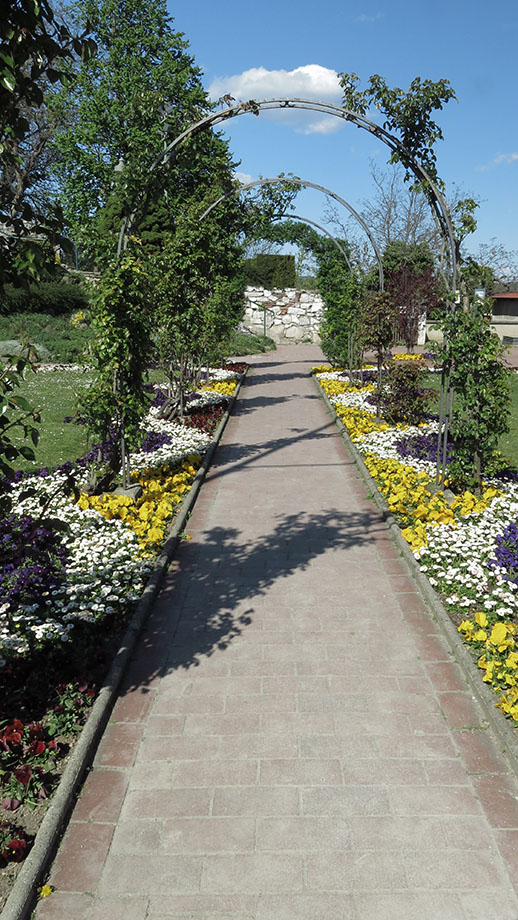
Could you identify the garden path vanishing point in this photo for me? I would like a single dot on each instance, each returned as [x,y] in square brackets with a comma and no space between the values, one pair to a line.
[293,740]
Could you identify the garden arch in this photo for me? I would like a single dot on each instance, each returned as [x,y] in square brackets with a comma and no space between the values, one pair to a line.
[294,180]
[435,198]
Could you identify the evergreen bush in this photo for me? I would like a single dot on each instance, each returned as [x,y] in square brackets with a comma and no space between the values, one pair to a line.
[273,272]
[52,298]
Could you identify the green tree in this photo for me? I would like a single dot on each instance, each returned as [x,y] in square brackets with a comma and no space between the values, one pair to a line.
[116,402]
[139,91]
[378,331]
[35,46]
[272,271]
[198,295]
[480,382]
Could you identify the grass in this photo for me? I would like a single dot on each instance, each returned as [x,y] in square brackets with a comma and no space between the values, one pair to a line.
[56,394]
[66,343]
[243,344]
[508,442]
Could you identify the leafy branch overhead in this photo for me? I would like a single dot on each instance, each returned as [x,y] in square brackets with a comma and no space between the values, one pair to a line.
[408,114]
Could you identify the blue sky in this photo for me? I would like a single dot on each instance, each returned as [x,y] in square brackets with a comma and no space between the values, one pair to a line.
[286,49]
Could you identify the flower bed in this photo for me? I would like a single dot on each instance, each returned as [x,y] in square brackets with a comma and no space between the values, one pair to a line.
[466,546]
[67,590]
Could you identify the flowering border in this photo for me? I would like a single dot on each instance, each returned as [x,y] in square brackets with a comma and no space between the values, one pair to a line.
[504,731]
[24,890]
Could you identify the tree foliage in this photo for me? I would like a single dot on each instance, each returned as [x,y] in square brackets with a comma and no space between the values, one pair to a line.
[139,91]
[17,417]
[115,403]
[379,320]
[272,271]
[411,281]
[407,114]
[35,46]
[198,295]
[480,382]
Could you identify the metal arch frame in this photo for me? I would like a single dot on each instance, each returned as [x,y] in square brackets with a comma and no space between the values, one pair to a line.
[294,180]
[435,198]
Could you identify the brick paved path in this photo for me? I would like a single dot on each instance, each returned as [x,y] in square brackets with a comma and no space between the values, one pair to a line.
[293,741]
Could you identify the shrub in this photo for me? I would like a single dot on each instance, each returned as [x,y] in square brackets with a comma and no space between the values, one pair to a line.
[270,271]
[404,397]
[52,298]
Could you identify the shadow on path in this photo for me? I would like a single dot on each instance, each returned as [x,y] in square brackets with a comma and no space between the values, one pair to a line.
[212,592]
[232,456]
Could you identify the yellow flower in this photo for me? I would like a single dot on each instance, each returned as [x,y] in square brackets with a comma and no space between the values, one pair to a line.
[498,636]
[481,618]
[480,635]
[45,890]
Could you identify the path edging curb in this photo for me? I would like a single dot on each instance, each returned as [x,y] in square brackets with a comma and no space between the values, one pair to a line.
[22,897]
[507,735]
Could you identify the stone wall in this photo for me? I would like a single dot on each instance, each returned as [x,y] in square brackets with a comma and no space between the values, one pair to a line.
[291,316]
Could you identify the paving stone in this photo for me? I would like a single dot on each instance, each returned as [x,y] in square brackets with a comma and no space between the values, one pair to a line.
[102,796]
[256,801]
[499,799]
[368,870]
[259,873]
[157,804]
[62,905]
[306,833]
[119,745]
[80,859]
[148,874]
[210,835]
[321,906]
[396,905]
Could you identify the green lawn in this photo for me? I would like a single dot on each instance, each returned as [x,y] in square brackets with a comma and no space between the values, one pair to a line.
[509,442]
[65,342]
[56,393]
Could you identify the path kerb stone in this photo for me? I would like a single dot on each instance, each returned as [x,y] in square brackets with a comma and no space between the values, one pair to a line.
[293,739]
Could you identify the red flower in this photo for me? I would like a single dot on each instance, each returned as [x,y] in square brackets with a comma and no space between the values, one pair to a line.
[35,730]
[23,774]
[15,850]
[38,747]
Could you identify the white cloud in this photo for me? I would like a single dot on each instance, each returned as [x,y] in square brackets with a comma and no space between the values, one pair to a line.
[501,158]
[311,81]
[243,178]
[367,18]
[326,125]
[506,158]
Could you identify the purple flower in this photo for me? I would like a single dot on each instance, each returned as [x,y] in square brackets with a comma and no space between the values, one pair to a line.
[421,447]
[506,552]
